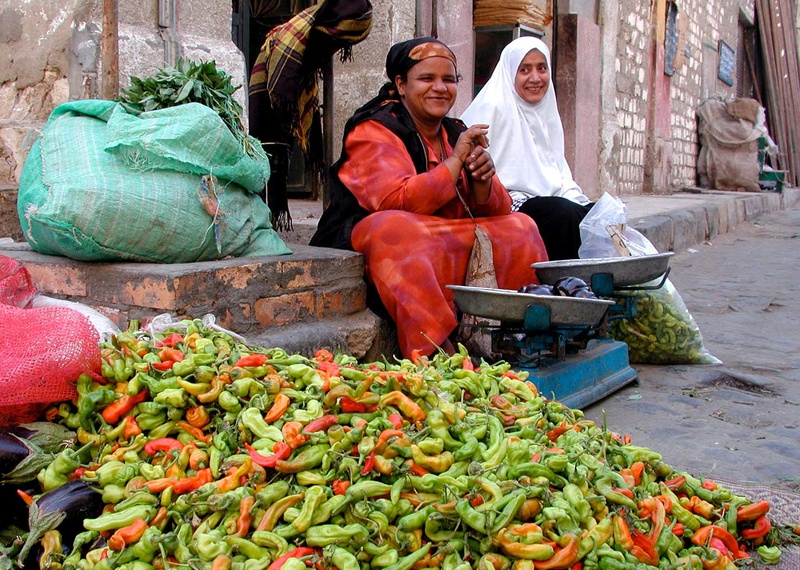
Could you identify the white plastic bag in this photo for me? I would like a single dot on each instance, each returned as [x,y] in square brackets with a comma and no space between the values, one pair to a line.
[663,330]
[104,326]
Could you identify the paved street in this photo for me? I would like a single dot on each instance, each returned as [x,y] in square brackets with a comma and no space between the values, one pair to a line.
[740,420]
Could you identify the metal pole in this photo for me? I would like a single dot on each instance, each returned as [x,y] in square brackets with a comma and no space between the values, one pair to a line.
[110,50]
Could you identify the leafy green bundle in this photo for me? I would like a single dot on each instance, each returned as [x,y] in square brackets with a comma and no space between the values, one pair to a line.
[189,82]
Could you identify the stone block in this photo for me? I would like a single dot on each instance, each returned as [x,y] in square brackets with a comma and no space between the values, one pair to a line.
[658,230]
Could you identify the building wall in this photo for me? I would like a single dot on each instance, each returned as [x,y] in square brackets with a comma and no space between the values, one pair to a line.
[647,136]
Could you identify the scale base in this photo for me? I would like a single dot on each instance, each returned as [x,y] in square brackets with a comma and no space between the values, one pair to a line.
[578,380]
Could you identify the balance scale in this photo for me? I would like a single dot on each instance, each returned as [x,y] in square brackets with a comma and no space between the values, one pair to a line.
[562,342]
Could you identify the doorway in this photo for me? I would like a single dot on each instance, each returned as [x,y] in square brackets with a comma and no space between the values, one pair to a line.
[250,23]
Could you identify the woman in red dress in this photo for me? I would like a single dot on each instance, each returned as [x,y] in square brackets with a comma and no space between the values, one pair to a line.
[407,191]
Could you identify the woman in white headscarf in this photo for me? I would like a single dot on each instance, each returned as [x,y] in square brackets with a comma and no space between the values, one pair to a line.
[527,142]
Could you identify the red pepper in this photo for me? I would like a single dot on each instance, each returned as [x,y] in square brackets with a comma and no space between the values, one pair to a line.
[281,450]
[162,366]
[752,511]
[418,470]
[350,406]
[166,444]
[709,485]
[131,427]
[644,549]
[299,552]
[705,533]
[280,404]
[172,354]
[121,406]
[476,500]
[25,497]
[251,360]
[330,368]
[675,483]
[369,463]
[556,432]
[340,486]
[320,424]
[323,355]
[189,484]
[78,473]
[170,340]
[124,536]
[396,419]
[761,527]
[417,357]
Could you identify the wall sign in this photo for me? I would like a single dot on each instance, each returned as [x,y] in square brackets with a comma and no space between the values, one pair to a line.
[727,63]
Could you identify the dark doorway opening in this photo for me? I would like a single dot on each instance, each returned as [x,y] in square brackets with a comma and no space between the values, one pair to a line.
[250,23]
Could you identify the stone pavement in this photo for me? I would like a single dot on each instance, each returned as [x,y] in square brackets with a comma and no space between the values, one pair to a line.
[739,420]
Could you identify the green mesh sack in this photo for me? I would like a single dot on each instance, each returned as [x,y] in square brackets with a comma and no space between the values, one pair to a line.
[167,186]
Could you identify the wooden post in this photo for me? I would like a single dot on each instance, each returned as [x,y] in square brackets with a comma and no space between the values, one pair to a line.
[327,126]
[109,50]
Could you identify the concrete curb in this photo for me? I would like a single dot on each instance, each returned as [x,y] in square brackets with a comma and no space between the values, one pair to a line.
[681,221]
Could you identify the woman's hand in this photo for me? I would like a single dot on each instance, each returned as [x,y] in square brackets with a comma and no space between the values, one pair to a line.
[478,162]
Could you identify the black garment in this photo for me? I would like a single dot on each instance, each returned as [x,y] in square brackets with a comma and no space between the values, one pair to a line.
[558,220]
[344,212]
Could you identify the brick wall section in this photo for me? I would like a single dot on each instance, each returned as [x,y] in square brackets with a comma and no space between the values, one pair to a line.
[311,285]
[708,21]
[632,63]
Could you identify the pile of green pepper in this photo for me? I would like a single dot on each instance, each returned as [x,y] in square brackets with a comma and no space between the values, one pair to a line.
[662,331]
[213,454]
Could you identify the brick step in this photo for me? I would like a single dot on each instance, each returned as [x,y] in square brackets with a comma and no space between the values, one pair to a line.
[314,298]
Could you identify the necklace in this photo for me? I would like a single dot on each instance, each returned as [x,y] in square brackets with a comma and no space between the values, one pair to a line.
[442,152]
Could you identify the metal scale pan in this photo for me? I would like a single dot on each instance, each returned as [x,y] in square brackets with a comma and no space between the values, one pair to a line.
[531,323]
[625,271]
[511,306]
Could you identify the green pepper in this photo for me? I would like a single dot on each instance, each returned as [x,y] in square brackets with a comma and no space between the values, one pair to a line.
[245,547]
[769,554]
[209,545]
[415,520]
[146,547]
[91,402]
[229,402]
[343,559]
[172,397]
[119,519]
[252,419]
[246,388]
[366,489]
[327,534]
[149,422]
[408,562]
[509,511]
[315,496]
[310,456]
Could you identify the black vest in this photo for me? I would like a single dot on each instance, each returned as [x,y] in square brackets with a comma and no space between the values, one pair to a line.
[344,211]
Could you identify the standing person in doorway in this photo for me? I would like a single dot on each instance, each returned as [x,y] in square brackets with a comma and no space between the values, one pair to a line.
[527,142]
[407,192]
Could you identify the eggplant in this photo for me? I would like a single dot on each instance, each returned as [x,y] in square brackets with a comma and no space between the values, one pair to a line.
[63,509]
[26,449]
[536,289]
[573,287]
[12,452]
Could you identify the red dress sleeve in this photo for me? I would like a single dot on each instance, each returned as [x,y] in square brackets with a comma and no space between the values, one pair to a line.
[381,175]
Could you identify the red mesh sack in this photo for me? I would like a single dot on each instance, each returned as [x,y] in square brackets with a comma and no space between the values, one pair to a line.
[42,351]
[16,287]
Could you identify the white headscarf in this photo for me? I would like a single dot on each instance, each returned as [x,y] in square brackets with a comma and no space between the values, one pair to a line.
[526,140]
